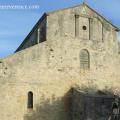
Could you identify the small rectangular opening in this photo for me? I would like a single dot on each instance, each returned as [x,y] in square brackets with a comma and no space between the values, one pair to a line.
[90,28]
[76,25]
[102,33]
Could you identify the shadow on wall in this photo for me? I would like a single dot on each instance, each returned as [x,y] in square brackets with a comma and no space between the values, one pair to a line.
[78,105]
[95,105]
[54,109]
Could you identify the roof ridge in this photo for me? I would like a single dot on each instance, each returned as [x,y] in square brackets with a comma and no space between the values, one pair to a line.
[49,12]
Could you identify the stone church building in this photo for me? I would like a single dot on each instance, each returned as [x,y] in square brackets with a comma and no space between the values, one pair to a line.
[67,68]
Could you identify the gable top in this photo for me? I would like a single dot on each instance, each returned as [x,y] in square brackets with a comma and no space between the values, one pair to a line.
[116,28]
[45,14]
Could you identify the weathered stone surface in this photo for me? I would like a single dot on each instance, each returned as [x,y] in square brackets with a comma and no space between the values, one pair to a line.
[50,69]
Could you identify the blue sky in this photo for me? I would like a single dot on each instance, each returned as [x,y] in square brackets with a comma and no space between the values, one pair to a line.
[15,24]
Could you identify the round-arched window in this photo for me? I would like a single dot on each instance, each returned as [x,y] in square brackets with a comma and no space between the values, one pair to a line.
[30,100]
[84,59]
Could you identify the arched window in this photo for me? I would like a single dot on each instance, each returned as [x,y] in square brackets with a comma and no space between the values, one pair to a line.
[84,59]
[30,100]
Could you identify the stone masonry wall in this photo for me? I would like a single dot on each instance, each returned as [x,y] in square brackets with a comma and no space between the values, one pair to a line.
[52,68]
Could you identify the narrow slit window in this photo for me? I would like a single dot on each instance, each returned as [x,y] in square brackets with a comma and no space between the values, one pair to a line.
[102,33]
[30,100]
[38,35]
[90,28]
[84,59]
[76,25]
[42,34]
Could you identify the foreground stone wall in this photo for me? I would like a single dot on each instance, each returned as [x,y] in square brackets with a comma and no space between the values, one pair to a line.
[50,71]
[14,102]
[50,95]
